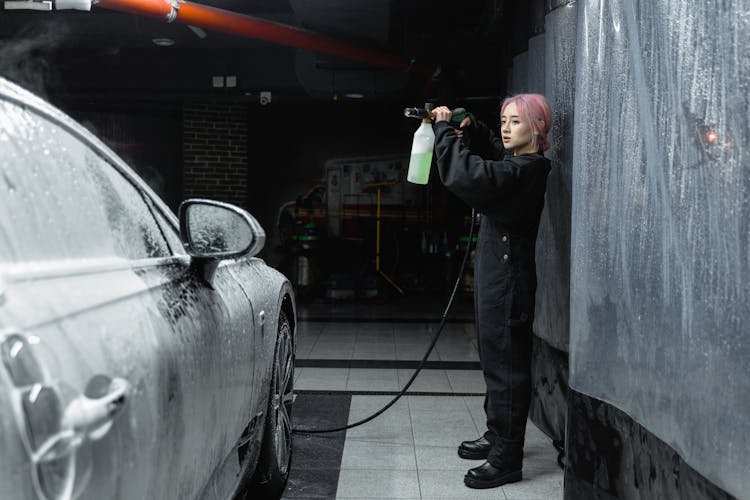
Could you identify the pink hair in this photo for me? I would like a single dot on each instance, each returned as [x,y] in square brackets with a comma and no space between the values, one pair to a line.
[533,109]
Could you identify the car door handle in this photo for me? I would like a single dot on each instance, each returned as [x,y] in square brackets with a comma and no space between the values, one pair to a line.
[93,416]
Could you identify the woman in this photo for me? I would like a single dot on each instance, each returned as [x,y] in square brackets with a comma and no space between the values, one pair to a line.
[504,179]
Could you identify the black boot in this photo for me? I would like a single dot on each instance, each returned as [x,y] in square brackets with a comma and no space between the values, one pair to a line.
[475,450]
[489,476]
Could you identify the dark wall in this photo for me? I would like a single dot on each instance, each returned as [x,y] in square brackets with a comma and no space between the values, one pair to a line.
[551,326]
[547,66]
[289,144]
[146,135]
[214,144]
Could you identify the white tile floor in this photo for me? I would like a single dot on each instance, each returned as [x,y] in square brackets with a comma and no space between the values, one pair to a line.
[409,452]
[385,341]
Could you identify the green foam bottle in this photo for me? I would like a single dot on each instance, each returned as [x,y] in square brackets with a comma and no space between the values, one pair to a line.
[421,153]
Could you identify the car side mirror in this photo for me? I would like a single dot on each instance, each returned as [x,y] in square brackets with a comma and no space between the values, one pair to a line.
[216,231]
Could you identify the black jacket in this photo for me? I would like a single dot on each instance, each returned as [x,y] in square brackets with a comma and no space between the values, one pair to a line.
[509,189]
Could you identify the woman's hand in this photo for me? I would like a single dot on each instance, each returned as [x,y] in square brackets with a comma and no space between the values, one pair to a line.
[441,114]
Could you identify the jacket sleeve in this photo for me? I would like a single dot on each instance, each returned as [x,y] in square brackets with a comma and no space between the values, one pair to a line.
[483,140]
[482,184]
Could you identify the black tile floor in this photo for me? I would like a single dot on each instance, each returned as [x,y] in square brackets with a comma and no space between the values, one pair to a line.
[316,458]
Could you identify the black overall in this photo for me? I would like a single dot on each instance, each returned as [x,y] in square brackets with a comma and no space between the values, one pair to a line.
[509,193]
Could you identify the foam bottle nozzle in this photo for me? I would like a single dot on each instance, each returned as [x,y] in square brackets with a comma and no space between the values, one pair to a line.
[458,114]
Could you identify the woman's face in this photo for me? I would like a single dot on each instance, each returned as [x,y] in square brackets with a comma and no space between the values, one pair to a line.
[516,133]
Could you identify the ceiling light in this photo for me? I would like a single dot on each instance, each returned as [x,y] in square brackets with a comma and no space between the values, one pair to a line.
[163,42]
[27,4]
[354,95]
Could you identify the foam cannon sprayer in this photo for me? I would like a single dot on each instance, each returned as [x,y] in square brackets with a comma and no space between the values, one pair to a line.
[424,141]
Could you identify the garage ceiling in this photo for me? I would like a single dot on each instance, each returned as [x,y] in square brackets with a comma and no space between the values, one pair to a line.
[109,53]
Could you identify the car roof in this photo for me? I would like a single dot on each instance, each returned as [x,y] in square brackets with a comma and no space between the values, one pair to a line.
[11,92]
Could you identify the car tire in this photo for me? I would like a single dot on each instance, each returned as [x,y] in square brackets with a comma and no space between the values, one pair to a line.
[275,459]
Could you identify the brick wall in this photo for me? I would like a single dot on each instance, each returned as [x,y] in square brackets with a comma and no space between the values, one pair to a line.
[214,149]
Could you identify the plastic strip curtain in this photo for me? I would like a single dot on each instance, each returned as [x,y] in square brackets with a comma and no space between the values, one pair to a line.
[553,246]
[535,66]
[520,73]
[660,276]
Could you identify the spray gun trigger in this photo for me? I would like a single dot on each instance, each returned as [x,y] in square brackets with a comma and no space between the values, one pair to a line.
[458,114]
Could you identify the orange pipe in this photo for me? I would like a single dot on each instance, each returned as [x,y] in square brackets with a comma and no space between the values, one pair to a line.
[160,9]
[246,26]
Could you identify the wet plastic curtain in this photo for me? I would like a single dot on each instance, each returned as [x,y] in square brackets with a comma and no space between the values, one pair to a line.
[553,246]
[535,65]
[520,73]
[660,263]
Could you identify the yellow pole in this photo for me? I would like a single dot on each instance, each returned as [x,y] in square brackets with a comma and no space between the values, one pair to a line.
[377,247]
[389,280]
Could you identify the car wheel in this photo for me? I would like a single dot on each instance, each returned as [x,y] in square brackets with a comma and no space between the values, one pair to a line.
[276,452]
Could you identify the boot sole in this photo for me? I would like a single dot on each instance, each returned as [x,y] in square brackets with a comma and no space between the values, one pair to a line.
[510,477]
[473,455]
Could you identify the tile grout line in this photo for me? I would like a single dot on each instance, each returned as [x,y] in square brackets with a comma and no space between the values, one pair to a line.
[351,356]
[414,446]
[315,342]
[354,347]
[343,448]
[471,415]
[348,376]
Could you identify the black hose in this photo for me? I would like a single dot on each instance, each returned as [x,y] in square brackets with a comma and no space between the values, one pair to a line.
[424,359]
